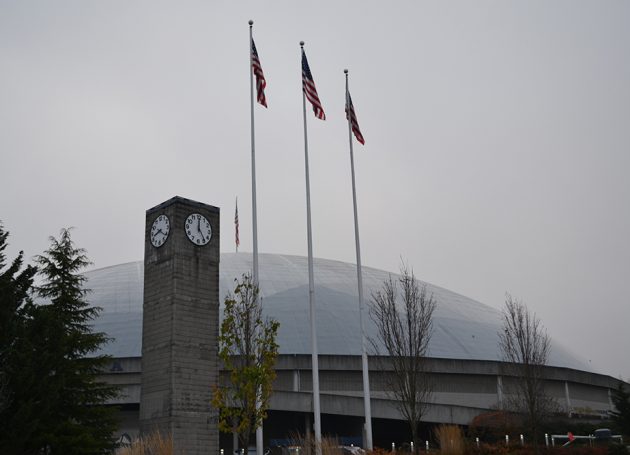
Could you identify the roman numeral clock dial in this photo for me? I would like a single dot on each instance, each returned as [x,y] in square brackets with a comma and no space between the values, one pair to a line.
[198,229]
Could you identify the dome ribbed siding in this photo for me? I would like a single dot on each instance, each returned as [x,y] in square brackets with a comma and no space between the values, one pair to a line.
[463,328]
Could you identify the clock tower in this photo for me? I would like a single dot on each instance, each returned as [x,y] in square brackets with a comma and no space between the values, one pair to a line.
[180,325]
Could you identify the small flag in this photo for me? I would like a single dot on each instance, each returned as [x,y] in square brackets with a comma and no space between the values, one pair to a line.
[308,86]
[236,236]
[261,83]
[352,116]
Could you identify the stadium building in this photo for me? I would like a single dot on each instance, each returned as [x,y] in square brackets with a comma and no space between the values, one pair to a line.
[465,361]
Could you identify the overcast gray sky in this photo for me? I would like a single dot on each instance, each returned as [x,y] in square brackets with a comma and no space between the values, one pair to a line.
[497,139]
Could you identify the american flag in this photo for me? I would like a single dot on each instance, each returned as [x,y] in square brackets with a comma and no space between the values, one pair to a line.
[352,116]
[308,86]
[261,83]
[236,237]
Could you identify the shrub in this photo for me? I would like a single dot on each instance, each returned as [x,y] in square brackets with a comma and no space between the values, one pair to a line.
[618,449]
[502,449]
[493,426]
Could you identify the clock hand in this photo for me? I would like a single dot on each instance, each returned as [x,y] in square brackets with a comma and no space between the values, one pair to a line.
[199,227]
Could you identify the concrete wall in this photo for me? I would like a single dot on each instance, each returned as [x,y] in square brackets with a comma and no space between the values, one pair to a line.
[180,331]
[463,390]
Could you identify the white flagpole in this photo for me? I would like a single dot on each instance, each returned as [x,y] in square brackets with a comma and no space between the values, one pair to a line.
[364,358]
[254,210]
[311,288]
[259,430]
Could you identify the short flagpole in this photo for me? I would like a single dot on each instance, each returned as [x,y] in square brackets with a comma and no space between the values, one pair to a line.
[311,289]
[259,430]
[364,358]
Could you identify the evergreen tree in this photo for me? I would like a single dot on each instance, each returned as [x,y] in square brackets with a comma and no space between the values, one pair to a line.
[51,400]
[621,414]
[18,406]
[79,422]
[15,285]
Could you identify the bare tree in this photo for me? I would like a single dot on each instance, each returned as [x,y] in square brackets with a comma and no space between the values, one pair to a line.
[405,323]
[525,345]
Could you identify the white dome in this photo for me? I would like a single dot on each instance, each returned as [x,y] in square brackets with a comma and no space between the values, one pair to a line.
[463,328]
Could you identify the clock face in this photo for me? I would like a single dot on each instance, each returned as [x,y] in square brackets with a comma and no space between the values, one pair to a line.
[198,229]
[159,231]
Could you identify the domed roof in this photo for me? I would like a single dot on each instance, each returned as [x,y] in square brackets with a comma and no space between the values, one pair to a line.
[463,328]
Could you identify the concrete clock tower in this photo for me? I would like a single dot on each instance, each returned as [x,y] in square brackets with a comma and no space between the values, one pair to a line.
[180,324]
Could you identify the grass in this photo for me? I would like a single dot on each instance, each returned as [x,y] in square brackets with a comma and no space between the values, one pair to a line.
[152,444]
[451,439]
[330,445]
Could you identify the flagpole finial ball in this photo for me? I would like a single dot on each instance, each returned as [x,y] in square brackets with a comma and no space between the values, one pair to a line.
[301,43]
[345,71]
[251,22]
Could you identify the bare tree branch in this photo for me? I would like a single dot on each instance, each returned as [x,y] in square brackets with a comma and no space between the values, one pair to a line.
[525,346]
[404,320]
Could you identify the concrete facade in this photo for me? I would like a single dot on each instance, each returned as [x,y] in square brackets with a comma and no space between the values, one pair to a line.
[180,331]
[463,390]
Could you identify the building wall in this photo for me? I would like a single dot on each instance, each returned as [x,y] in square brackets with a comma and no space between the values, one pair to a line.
[464,389]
